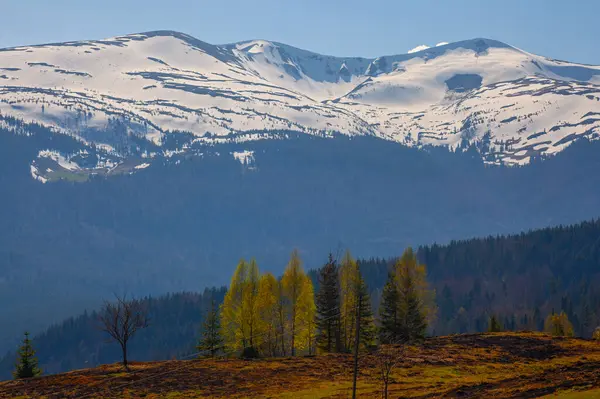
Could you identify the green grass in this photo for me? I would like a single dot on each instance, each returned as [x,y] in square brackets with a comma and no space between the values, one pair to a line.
[69,176]
[591,394]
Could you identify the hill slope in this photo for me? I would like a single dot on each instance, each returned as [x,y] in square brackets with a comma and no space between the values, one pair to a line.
[523,365]
[518,278]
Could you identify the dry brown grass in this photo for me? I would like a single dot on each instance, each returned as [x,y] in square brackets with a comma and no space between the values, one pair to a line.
[502,365]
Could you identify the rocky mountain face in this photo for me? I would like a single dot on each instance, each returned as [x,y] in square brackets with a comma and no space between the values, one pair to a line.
[137,98]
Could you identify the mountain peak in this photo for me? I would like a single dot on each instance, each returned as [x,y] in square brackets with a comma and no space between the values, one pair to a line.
[163,81]
[479,45]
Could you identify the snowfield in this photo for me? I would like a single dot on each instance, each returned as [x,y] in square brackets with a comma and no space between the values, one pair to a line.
[511,104]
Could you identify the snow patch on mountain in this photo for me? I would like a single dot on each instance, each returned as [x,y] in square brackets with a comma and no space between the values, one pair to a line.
[35,173]
[245,157]
[418,48]
[59,159]
[150,87]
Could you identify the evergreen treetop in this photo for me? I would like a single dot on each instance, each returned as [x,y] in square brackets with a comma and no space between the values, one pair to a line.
[328,304]
[368,331]
[211,340]
[407,303]
[389,331]
[27,363]
[494,325]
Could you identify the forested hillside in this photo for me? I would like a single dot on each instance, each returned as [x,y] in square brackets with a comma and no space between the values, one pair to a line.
[78,342]
[519,278]
[182,225]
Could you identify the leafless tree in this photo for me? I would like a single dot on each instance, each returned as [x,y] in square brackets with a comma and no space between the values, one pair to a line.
[388,358]
[121,320]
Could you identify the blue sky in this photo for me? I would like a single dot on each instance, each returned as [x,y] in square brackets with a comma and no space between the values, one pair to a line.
[558,29]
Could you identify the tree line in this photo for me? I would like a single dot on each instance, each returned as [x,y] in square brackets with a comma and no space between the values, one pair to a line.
[541,280]
[272,316]
[265,316]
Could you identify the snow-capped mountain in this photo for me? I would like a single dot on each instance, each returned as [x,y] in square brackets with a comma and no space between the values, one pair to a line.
[511,104]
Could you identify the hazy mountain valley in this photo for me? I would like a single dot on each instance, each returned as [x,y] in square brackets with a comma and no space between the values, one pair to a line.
[151,163]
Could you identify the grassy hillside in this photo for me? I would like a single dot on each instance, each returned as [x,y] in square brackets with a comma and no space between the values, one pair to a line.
[501,365]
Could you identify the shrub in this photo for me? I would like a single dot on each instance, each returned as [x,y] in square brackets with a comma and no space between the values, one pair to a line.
[250,352]
[558,325]
[494,325]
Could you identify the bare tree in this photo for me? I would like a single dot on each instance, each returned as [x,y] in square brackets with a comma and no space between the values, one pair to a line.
[121,320]
[387,360]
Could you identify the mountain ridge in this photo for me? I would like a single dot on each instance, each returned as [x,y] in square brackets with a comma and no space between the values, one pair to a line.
[512,105]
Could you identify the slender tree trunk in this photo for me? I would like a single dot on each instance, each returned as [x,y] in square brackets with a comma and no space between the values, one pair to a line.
[282,322]
[124,348]
[356,345]
[251,332]
[293,334]
[338,336]
[309,338]
[328,336]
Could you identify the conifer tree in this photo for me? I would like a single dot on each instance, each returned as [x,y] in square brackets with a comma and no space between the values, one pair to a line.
[328,308]
[494,325]
[389,312]
[354,292]
[368,331]
[416,305]
[211,340]
[27,364]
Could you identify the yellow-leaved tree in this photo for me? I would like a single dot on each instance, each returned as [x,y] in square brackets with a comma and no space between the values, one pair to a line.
[416,302]
[268,314]
[280,309]
[299,303]
[559,325]
[249,304]
[349,281]
[354,300]
[307,312]
[238,311]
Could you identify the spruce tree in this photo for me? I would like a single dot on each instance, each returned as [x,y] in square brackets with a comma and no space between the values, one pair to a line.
[415,324]
[328,304]
[494,324]
[211,340]
[368,331]
[414,298]
[27,364]
[388,312]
